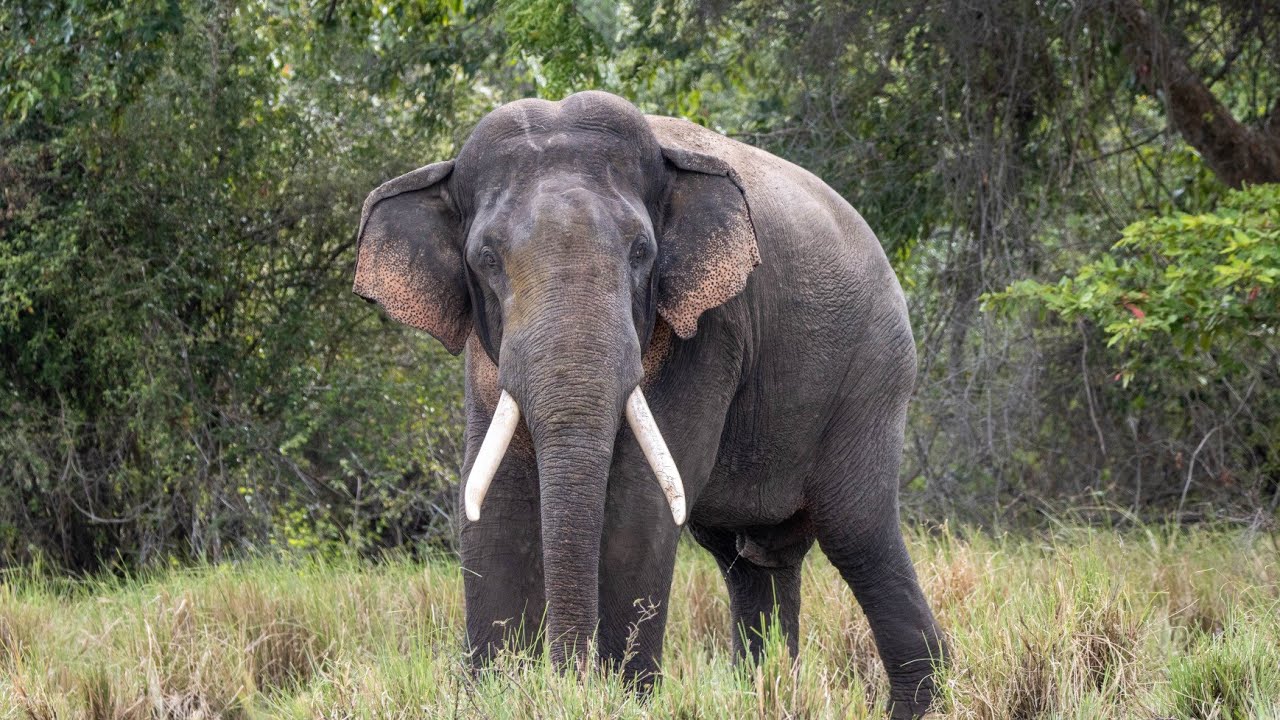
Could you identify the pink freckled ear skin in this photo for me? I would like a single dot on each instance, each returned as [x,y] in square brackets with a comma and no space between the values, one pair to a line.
[707,247]
[409,258]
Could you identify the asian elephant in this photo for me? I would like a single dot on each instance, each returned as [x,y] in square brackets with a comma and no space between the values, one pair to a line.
[662,326]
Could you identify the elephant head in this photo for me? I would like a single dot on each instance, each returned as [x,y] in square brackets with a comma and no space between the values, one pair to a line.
[558,236]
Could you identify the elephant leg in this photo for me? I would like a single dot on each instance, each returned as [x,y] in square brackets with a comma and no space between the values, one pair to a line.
[637,556]
[856,519]
[638,545]
[501,557]
[764,586]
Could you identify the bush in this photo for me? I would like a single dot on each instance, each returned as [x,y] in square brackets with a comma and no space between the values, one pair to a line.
[1184,312]
[1179,294]
[183,368]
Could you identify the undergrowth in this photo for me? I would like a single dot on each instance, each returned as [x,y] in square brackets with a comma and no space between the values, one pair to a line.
[1081,624]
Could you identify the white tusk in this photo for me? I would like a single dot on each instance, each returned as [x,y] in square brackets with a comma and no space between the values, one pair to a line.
[505,418]
[655,451]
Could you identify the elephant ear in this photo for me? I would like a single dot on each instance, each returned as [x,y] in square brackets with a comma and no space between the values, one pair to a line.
[409,255]
[707,246]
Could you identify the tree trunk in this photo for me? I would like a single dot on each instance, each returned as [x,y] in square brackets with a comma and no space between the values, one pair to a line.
[1234,151]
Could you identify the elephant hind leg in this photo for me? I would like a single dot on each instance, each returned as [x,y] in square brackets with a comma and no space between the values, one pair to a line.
[858,528]
[764,586]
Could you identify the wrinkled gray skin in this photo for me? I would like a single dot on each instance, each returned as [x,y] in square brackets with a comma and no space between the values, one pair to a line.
[563,246]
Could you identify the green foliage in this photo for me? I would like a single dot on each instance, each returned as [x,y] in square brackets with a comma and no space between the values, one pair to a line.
[63,58]
[1203,283]
[1182,315]
[183,369]
[556,42]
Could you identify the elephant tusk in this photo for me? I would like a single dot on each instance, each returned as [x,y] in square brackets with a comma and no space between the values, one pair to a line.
[655,451]
[505,418]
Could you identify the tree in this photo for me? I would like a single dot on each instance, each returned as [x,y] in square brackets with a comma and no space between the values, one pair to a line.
[1237,152]
[184,369]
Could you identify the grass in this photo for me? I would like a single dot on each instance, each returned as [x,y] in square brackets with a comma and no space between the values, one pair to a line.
[1085,624]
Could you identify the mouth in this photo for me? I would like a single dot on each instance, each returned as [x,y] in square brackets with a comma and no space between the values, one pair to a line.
[506,418]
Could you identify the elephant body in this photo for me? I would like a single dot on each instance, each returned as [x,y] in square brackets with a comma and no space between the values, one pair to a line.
[769,335]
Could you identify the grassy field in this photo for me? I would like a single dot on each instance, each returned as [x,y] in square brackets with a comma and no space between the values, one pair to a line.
[1086,624]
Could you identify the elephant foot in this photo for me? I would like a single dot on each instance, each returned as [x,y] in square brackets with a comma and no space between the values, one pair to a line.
[912,703]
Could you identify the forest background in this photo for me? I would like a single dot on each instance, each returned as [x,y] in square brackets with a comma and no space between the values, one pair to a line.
[1074,195]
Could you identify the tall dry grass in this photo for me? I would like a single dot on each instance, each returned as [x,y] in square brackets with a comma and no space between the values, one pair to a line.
[1084,624]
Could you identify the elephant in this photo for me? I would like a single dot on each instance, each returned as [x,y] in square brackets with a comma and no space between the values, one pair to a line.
[662,327]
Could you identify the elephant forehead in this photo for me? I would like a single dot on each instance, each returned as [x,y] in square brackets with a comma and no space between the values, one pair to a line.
[589,112]
[592,134]
[514,160]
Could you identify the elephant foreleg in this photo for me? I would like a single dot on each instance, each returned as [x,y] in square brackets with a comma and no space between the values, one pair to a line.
[502,568]
[636,562]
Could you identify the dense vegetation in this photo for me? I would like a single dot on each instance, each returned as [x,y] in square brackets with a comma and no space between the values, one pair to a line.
[1075,196]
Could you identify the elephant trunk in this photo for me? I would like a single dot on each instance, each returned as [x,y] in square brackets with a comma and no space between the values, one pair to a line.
[571,378]
[573,466]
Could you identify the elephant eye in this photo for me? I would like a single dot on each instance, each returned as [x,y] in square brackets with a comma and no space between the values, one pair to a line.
[639,251]
[489,258]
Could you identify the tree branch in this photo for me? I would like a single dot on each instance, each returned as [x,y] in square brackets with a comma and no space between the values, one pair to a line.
[1234,151]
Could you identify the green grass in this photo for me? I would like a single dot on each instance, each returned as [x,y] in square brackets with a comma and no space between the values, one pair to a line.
[1086,624]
